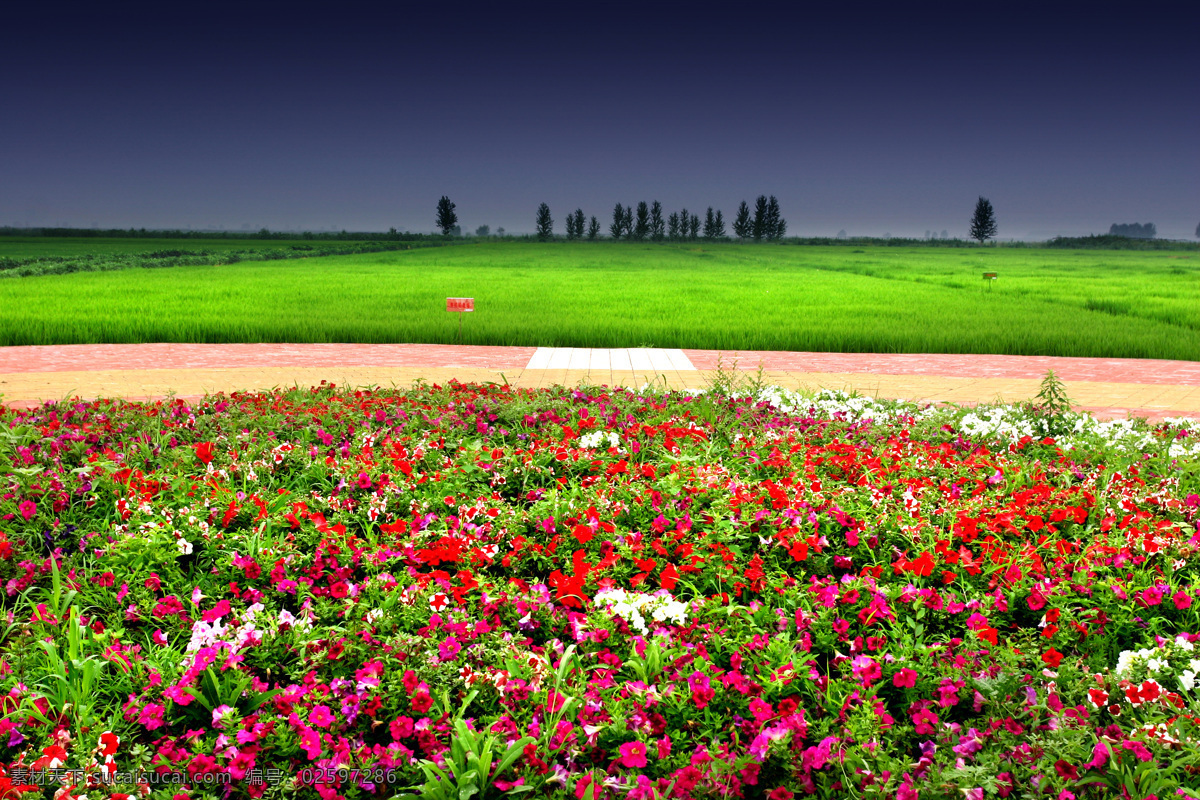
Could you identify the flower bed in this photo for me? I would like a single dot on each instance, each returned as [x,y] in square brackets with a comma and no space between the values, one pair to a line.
[595,593]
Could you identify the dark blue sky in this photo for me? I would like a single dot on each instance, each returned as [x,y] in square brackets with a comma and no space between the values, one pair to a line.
[1068,118]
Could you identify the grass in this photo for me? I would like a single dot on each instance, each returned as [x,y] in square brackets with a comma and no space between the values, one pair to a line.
[869,299]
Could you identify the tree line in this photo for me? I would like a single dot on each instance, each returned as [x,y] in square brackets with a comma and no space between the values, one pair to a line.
[1135,231]
[646,222]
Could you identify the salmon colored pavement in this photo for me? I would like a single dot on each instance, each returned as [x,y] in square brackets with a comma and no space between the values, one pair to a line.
[1107,387]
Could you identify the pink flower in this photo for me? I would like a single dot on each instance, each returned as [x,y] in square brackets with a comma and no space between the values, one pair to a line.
[867,670]
[1138,749]
[905,678]
[633,755]
[152,716]
[1182,600]
[1100,754]
[925,720]
[320,716]
[27,508]
[449,649]
[1152,596]
[310,740]
[219,714]
[401,728]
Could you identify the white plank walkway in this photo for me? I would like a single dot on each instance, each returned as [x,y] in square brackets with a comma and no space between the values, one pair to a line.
[631,359]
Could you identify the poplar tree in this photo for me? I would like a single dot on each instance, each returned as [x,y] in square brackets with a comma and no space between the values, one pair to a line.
[776,226]
[594,230]
[618,222]
[759,227]
[742,227]
[656,221]
[710,224]
[719,227]
[545,224]
[673,226]
[641,228]
[579,223]
[694,226]
[446,218]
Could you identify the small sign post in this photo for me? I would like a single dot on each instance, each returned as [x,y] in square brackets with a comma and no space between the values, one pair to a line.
[461,305]
[990,278]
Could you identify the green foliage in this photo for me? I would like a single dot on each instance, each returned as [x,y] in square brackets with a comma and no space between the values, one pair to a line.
[1052,398]
[473,764]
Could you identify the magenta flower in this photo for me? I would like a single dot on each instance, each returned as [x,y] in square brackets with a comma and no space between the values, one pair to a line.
[320,716]
[867,670]
[905,678]
[925,720]
[152,716]
[27,508]
[633,755]
[448,649]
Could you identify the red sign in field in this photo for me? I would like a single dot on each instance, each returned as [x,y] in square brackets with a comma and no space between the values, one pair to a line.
[460,303]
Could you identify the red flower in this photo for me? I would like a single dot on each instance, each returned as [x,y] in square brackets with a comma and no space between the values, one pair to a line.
[204,452]
[1052,658]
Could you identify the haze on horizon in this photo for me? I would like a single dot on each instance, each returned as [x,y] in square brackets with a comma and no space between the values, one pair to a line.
[858,121]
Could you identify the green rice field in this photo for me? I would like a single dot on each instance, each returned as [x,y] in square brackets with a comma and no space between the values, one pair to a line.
[764,297]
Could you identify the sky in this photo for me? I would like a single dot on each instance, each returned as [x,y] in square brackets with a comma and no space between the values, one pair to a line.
[1068,117]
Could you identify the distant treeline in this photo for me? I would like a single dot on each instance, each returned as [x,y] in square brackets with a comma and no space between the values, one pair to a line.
[58,265]
[1118,242]
[142,233]
[1133,230]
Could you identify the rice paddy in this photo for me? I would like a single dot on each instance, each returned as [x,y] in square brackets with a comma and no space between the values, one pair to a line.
[727,296]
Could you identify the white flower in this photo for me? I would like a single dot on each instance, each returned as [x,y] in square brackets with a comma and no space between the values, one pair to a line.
[185,547]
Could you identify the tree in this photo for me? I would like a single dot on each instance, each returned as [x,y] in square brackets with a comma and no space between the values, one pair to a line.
[673,226]
[578,223]
[545,224]
[1134,230]
[742,227]
[983,223]
[482,230]
[641,228]
[1198,230]
[656,221]
[685,221]
[694,226]
[593,229]
[710,223]
[446,218]
[627,226]
[618,223]
[719,226]
[759,227]
[775,225]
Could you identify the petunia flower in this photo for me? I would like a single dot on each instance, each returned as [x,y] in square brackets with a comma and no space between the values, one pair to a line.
[633,755]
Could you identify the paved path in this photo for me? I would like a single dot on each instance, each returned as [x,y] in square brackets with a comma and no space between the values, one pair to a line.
[1107,387]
